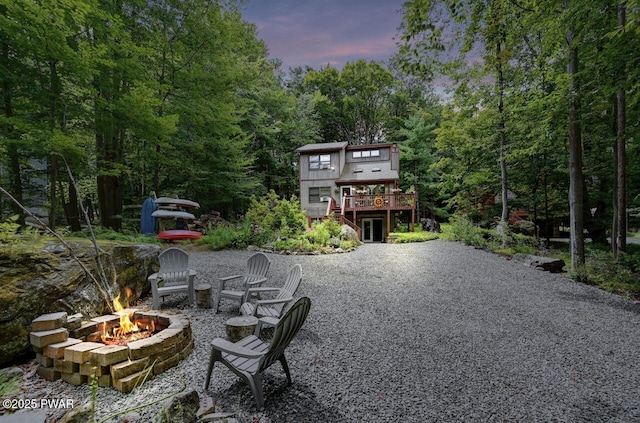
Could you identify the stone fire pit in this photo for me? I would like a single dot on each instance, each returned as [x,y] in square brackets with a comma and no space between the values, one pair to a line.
[70,349]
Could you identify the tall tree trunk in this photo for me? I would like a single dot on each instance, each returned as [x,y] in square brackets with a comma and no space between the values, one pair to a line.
[54,93]
[576,183]
[503,138]
[619,236]
[53,197]
[110,190]
[73,209]
[13,155]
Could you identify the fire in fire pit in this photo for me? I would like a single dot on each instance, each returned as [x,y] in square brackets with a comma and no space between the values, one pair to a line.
[129,330]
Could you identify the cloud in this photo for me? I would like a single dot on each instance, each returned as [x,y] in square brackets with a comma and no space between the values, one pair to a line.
[330,31]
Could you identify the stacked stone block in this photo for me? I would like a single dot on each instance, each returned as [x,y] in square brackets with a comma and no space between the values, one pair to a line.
[68,348]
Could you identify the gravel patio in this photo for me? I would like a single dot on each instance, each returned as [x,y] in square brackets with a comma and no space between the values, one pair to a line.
[423,332]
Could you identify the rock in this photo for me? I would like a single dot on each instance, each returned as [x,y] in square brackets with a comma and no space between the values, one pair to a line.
[347,233]
[52,281]
[81,414]
[12,372]
[548,264]
[181,408]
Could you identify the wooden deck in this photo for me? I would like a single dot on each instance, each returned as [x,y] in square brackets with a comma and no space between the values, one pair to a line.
[378,202]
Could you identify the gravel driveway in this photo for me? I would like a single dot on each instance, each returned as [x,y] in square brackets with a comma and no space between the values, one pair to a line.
[424,332]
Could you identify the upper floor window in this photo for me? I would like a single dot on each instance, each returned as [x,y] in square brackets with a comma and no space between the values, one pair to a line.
[319,194]
[320,161]
[366,153]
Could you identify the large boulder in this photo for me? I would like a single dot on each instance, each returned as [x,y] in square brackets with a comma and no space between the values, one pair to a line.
[51,280]
[347,233]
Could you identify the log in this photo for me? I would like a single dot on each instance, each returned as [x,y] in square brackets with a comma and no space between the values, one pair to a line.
[203,296]
[541,263]
[240,327]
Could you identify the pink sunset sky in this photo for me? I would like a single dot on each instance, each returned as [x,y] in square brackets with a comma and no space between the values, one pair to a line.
[321,32]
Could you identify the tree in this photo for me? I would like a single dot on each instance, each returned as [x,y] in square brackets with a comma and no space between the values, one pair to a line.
[417,159]
[367,89]
[619,232]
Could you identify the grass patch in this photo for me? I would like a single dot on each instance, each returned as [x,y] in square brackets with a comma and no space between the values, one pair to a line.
[418,236]
[105,234]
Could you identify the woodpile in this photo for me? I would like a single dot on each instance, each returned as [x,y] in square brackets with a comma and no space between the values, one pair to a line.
[208,221]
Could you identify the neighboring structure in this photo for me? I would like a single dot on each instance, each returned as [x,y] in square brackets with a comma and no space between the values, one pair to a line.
[358,183]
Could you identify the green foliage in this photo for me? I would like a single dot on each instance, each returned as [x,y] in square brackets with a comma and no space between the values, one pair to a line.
[106,234]
[622,277]
[9,385]
[230,236]
[318,235]
[418,236]
[298,244]
[463,230]
[284,218]
[525,227]
[8,229]
[16,240]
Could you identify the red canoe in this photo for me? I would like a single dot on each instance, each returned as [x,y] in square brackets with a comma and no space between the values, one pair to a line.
[178,234]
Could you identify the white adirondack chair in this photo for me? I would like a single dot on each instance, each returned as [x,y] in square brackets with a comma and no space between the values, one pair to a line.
[274,307]
[173,277]
[257,268]
[250,357]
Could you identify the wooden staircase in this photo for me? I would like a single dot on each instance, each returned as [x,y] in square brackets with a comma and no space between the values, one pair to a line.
[338,214]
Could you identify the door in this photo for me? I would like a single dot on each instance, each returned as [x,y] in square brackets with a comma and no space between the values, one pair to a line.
[346,190]
[372,230]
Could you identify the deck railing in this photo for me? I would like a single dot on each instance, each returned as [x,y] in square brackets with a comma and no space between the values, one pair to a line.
[372,202]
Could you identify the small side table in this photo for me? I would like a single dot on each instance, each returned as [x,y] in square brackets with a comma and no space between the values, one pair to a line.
[240,327]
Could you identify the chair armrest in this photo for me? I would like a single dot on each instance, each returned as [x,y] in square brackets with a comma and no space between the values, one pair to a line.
[265,321]
[231,348]
[222,281]
[274,301]
[227,278]
[256,282]
[264,289]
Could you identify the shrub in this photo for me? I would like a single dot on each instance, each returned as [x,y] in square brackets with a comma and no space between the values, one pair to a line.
[284,218]
[524,227]
[299,244]
[462,229]
[318,235]
[321,232]
[227,236]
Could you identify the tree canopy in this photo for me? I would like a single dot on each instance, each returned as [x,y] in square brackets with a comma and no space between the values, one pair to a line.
[181,98]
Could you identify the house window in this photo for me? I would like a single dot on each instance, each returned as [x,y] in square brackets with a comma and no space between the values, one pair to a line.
[320,161]
[319,194]
[366,153]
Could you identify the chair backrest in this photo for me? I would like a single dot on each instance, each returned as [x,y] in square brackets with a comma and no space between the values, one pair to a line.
[173,259]
[291,284]
[286,329]
[258,265]
[174,265]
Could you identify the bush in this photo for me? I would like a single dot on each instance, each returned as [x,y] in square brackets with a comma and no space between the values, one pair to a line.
[524,227]
[284,218]
[463,230]
[300,244]
[321,232]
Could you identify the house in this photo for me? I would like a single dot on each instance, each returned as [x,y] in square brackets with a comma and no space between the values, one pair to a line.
[358,183]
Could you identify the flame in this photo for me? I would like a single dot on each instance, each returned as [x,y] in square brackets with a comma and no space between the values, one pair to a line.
[127,327]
